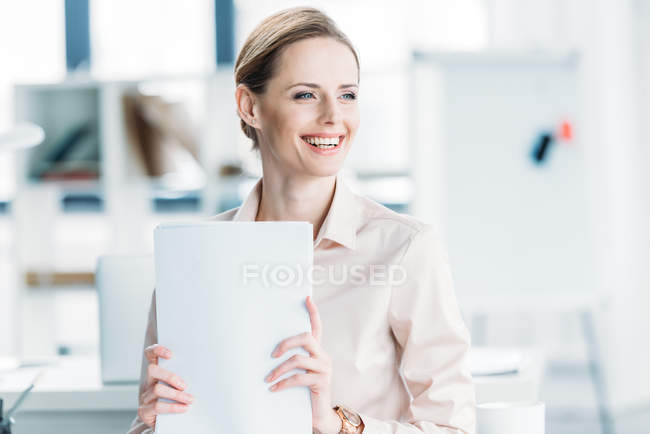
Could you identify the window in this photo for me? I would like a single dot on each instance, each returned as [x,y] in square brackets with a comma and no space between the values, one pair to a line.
[32,48]
[151,37]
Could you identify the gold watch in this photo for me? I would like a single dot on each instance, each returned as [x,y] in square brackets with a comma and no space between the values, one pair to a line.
[350,421]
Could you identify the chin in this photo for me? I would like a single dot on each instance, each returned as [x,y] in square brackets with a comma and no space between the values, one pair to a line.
[323,171]
[323,163]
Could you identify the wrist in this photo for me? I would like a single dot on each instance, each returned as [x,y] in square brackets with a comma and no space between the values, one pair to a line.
[331,425]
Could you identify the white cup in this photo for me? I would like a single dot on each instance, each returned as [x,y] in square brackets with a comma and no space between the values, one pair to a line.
[510,418]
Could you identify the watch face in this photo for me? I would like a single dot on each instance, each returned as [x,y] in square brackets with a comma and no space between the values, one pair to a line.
[351,416]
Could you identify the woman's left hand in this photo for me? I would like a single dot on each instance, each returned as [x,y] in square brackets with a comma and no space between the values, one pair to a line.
[318,375]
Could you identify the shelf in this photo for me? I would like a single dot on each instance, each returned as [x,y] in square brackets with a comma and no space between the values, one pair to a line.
[184,202]
[36,279]
[69,115]
[82,202]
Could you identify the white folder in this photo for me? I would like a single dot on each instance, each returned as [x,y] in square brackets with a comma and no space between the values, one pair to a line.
[226,294]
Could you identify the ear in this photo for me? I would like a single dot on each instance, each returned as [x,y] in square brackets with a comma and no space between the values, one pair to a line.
[246,102]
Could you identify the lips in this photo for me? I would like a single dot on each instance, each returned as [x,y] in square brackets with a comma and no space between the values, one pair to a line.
[324,144]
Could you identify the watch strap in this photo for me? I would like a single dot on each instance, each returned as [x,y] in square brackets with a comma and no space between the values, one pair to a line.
[347,426]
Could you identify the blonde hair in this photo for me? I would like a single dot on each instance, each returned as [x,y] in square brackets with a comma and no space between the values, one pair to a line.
[256,60]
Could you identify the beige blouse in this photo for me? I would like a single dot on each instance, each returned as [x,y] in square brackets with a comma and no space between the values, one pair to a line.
[383,286]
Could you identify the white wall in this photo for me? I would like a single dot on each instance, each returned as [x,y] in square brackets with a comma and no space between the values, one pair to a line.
[32,47]
[612,38]
[618,169]
[643,54]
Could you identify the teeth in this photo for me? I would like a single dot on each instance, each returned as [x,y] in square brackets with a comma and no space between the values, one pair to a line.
[322,142]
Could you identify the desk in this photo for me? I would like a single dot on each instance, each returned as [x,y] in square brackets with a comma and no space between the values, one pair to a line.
[586,305]
[71,398]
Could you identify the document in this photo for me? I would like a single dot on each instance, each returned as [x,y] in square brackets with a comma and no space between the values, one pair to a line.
[227,293]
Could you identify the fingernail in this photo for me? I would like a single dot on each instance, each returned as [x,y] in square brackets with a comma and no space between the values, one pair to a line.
[268,377]
[182,385]
[190,398]
[273,387]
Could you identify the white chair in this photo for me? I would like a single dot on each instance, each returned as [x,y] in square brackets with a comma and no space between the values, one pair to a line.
[125,284]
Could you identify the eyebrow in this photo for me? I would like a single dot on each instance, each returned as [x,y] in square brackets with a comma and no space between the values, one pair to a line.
[316,86]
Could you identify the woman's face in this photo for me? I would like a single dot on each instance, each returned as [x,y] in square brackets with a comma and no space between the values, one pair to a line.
[308,115]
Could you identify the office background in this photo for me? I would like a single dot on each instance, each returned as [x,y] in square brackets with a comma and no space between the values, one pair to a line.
[520,128]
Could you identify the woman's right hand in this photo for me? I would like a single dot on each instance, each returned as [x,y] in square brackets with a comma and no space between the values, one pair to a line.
[150,405]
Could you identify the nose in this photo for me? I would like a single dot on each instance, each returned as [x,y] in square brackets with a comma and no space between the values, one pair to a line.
[331,112]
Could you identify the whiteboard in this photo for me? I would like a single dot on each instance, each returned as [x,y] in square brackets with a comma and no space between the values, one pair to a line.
[510,225]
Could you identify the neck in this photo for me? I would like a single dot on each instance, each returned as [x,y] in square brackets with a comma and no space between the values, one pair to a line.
[296,198]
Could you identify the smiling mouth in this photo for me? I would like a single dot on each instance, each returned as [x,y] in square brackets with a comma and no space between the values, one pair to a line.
[323,142]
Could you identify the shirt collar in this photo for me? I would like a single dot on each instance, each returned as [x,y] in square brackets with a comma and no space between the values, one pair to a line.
[340,224]
[248,209]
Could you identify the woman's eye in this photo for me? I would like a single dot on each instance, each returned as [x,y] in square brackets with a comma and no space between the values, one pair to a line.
[305,95]
[349,96]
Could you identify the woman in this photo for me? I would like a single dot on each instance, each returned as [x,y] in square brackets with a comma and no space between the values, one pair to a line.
[297,81]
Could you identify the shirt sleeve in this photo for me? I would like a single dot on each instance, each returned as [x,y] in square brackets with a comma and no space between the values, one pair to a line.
[434,343]
[150,338]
